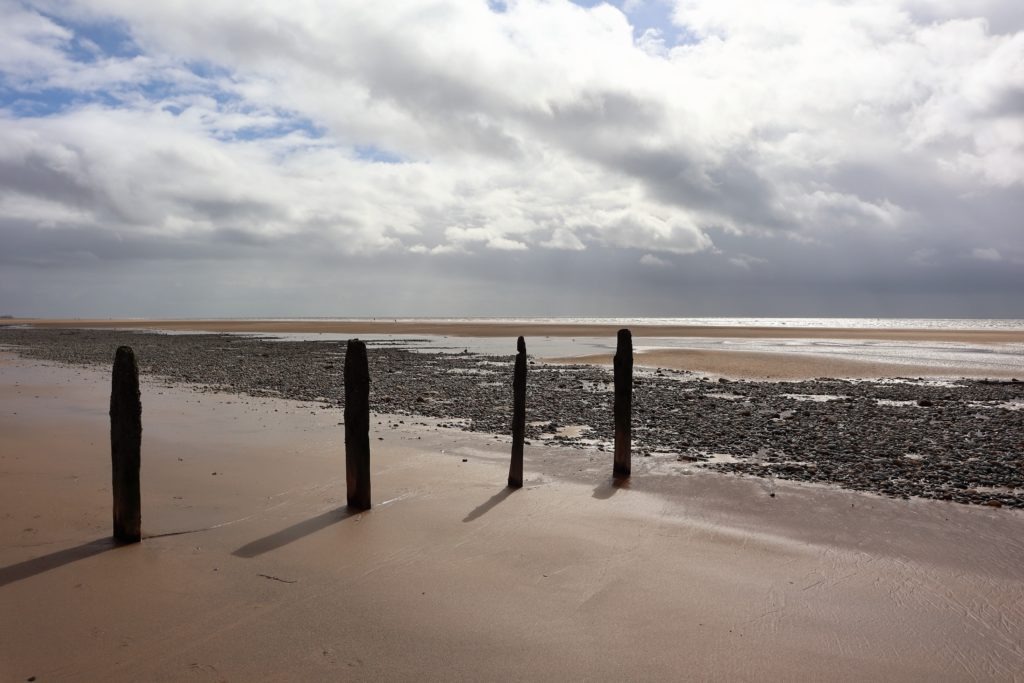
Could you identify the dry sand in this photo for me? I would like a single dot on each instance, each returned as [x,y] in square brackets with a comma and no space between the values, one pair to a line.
[681,575]
[492,329]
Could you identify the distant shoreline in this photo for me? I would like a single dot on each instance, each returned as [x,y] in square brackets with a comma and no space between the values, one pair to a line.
[512,329]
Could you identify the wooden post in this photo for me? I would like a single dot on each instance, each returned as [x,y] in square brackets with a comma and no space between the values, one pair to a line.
[623,404]
[126,446]
[357,425]
[515,470]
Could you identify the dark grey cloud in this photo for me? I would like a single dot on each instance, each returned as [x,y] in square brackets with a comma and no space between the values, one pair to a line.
[599,282]
[60,247]
[36,175]
[1002,18]
[1009,103]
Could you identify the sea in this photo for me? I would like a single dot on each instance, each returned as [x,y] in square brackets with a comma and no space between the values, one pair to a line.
[853,323]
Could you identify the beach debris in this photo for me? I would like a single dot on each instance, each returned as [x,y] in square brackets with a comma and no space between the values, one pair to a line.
[623,409]
[125,446]
[515,470]
[277,578]
[357,425]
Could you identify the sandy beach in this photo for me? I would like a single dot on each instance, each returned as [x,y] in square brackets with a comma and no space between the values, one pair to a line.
[687,339]
[252,569]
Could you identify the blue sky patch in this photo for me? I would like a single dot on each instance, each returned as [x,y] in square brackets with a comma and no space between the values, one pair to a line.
[287,125]
[50,101]
[377,155]
[97,40]
[648,14]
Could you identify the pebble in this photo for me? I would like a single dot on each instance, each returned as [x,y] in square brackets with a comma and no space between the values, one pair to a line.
[967,445]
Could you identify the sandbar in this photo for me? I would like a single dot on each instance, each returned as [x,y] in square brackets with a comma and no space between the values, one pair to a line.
[785,366]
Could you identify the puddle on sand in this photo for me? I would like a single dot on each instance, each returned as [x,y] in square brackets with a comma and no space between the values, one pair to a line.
[1005,405]
[817,398]
[566,432]
[920,381]
[1003,490]
[715,458]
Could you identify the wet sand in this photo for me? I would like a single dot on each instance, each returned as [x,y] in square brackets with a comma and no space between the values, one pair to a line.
[492,329]
[681,575]
[786,366]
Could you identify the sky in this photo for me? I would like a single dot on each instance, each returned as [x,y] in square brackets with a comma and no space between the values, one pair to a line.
[224,158]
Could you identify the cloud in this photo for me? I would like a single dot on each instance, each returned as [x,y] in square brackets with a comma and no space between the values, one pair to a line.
[718,130]
[925,257]
[988,254]
[653,261]
[746,261]
[562,238]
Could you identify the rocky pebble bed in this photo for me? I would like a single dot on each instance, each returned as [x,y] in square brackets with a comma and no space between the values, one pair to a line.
[961,441]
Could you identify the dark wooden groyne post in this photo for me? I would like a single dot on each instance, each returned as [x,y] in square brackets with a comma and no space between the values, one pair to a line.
[515,470]
[126,446]
[623,404]
[357,425]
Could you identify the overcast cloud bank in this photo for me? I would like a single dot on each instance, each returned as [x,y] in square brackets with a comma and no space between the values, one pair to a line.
[532,157]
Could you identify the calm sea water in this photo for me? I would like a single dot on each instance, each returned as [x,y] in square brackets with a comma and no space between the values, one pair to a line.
[855,323]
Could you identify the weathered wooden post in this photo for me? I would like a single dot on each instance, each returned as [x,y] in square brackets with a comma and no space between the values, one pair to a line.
[623,404]
[515,470]
[357,425]
[126,446]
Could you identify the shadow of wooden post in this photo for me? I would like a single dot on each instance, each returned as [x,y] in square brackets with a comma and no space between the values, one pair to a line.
[357,425]
[515,470]
[126,446]
[623,365]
